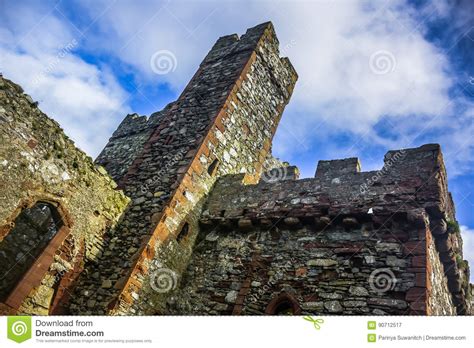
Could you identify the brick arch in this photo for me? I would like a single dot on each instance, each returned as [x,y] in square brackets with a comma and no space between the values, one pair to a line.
[284,299]
[36,271]
[30,202]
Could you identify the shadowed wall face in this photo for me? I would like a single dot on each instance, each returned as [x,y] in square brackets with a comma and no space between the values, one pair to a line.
[33,230]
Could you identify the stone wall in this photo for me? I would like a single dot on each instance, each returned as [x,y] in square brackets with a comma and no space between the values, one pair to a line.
[127,142]
[39,163]
[346,215]
[349,267]
[222,123]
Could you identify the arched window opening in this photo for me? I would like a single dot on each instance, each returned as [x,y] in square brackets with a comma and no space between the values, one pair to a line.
[183,233]
[283,304]
[284,308]
[33,229]
[212,169]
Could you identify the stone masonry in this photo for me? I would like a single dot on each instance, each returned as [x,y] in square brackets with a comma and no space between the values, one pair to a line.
[345,242]
[197,217]
[222,123]
[39,163]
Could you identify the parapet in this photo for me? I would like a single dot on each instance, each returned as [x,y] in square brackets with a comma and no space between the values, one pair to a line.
[338,167]
[408,177]
[281,174]
[134,123]
[231,44]
[127,142]
[409,192]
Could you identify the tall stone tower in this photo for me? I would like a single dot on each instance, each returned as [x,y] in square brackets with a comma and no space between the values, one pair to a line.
[222,123]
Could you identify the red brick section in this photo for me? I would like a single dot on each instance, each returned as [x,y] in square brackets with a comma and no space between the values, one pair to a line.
[67,282]
[245,288]
[417,297]
[161,233]
[7,310]
[37,271]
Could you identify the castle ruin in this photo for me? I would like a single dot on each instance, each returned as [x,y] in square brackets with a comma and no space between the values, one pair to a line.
[187,212]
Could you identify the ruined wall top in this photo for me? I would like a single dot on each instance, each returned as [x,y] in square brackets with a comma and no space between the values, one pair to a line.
[407,178]
[231,44]
[40,166]
[412,185]
[338,167]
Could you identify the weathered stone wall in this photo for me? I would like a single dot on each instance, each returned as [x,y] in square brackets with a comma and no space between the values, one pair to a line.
[338,269]
[439,300]
[222,123]
[127,142]
[405,203]
[39,163]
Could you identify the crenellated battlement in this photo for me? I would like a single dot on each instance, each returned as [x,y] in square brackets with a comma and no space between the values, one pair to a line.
[340,185]
[409,190]
[335,168]
[229,45]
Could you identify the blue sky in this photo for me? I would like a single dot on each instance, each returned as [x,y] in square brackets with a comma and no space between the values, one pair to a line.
[374,75]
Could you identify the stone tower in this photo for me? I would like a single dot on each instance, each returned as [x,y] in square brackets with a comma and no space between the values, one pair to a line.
[222,123]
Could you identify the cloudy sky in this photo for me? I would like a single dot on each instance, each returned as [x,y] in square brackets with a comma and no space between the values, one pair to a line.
[374,75]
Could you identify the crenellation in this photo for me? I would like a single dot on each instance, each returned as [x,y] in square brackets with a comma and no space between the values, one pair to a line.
[406,189]
[334,168]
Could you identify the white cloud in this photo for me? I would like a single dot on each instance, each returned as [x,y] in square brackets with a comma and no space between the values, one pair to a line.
[468,246]
[329,43]
[86,100]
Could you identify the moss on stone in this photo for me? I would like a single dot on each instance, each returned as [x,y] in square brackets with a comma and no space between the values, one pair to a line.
[453,226]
